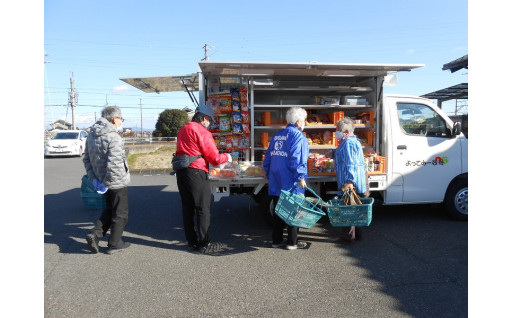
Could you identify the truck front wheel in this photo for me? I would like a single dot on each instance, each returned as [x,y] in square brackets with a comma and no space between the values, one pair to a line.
[456,200]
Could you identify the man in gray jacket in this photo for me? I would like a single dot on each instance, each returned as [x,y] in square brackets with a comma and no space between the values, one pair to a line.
[105,163]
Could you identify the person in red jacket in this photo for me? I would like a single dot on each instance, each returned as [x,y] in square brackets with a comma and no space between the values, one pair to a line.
[194,139]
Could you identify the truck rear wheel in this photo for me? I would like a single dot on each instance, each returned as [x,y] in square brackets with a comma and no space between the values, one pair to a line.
[266,207]
[456,200]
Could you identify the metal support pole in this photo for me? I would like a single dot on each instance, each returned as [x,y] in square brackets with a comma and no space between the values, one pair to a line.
[72,100]
[141,129]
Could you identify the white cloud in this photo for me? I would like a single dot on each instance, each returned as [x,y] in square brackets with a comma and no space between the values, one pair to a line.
[121,89]
[410,51]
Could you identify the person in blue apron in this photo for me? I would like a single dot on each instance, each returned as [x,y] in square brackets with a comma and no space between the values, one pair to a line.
[286,167]
[350,169]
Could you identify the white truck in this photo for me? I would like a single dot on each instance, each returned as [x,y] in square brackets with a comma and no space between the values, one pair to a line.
[423,155]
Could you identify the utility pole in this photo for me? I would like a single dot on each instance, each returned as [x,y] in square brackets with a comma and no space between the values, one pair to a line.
[72,101]
[141,130]
[206,47]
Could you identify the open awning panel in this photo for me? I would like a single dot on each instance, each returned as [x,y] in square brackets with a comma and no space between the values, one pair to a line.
[310,69]
[231,70]
[165,83]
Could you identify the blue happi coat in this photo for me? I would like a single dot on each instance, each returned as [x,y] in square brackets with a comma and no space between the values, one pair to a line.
[286,160]
[349,164]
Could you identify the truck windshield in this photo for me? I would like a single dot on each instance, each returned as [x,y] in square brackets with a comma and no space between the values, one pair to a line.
[421,120]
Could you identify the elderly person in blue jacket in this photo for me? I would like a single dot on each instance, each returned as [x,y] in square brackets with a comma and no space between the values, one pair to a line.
[106,166]
[285,165]
[350,169]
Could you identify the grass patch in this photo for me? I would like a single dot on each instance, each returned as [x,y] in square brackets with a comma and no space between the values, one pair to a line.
[159,159]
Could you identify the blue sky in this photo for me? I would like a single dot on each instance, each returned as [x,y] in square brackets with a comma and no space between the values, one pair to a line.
[100,42]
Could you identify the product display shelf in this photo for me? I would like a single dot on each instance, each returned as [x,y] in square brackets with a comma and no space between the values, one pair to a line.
[310,106]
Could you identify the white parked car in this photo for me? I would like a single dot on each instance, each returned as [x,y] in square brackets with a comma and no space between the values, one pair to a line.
[66,143]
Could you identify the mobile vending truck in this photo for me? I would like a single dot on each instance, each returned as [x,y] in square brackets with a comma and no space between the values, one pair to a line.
[414,152]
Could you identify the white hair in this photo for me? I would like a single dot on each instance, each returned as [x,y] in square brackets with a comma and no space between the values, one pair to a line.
[294,114]
[110,112]
[346,124]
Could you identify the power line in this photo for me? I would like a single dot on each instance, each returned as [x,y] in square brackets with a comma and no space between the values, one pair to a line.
[102,106]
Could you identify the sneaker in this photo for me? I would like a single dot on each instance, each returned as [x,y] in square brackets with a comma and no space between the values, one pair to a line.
[211,248]
[300,245]
[92,242]
[112,250]
[192,248]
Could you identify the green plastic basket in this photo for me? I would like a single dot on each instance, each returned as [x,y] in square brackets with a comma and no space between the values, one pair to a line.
[350,215]
[92,200]
[87,185]
[296,210]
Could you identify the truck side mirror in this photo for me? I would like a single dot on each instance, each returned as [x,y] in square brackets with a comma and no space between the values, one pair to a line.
[456,129]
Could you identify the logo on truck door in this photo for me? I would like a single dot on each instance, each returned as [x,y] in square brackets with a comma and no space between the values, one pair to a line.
[436,161]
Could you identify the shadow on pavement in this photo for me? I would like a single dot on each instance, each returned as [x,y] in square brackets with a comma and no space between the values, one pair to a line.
[417,254]
[154,220]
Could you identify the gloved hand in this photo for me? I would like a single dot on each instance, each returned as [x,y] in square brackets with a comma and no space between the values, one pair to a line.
[230,159]
[99,187]
[301,183]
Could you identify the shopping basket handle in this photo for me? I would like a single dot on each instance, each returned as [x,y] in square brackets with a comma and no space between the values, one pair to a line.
[307,188]
[316,195]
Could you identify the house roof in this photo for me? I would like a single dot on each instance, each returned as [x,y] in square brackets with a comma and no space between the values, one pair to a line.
[459,91]
[457,64]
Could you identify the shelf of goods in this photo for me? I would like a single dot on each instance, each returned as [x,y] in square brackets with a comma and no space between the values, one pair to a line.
[249,115]
[232,131]
[320,129]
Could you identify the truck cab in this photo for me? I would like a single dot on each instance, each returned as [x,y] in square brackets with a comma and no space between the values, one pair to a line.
[426,153]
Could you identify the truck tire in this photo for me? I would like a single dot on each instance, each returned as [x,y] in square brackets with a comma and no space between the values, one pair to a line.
[456,200]
[259,196]
[266,208]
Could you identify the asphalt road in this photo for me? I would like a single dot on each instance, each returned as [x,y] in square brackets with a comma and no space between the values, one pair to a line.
[412,262]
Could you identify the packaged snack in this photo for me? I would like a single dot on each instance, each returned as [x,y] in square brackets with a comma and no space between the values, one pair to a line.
[243,94]
[251,169]
[327,137]
[214,127]
[246,128]
[235,105]
[237,117]
[237,128]
[244,107]
[235,139]
[228,170]
[246,118]
[235,94]
[225,104]
[229,143]
[225,123]
[213,102]
[222,143]
[243,143]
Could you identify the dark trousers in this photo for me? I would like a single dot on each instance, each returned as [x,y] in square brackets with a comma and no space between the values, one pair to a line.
[279,225]
[195,193]
[114,217]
